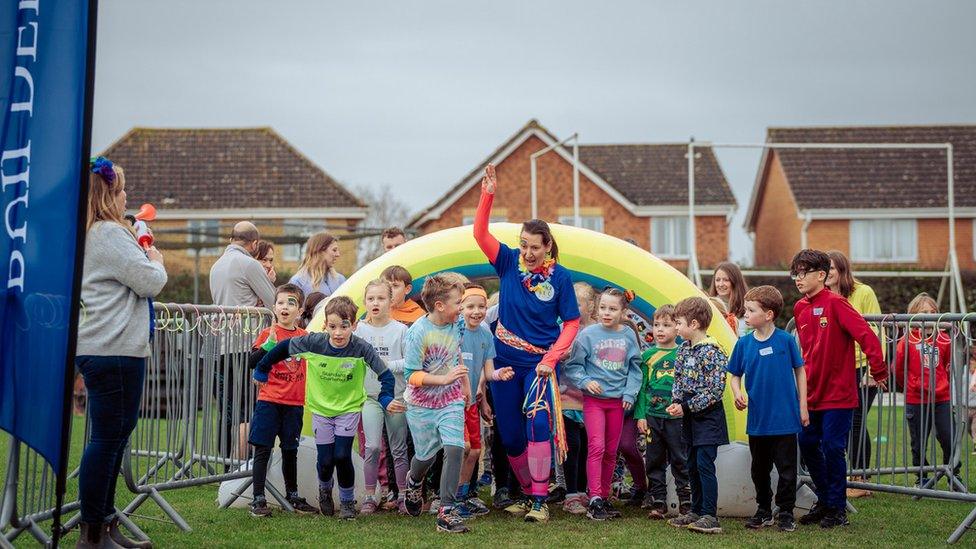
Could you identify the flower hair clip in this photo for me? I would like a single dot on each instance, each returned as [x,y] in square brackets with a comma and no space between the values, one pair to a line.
[103,167]
[630,295]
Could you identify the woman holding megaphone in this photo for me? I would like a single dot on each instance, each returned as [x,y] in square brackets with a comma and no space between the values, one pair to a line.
[119,280]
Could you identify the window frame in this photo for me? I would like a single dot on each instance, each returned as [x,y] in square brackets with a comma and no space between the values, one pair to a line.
[672,220]
[854,228]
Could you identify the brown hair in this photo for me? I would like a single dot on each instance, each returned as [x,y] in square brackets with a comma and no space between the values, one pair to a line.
[437,287]
[314,263]
[393,232]
[101,199]
[290,289]
[625,297]
[768,298]
[379,282]
[541,228]
[694,308]
[920,300]
[845,278]
[586,294]
[343,307]
[311,301]
[397,273]
[739,287]
[262,249]
[666,310]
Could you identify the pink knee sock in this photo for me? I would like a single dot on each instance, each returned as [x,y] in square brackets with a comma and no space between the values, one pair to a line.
[520,467]
[539,462]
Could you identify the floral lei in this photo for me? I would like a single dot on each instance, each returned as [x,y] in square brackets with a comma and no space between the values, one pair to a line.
[534,280]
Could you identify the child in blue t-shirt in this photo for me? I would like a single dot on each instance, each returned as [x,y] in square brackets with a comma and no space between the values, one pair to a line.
[776,385]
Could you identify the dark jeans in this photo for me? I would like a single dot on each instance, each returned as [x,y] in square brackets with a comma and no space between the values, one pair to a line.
[574,467]
[114,386]
[778,450]
[704,483]
[860,437]
[823,446]
[667,444]
[501,468]
[921,419]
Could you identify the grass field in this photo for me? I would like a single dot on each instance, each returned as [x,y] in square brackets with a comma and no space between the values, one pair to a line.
[881,520]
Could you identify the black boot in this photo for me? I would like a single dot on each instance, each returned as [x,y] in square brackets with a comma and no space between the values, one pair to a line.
[118,537]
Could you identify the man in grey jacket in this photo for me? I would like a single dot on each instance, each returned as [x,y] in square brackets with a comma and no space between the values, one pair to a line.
[237,279]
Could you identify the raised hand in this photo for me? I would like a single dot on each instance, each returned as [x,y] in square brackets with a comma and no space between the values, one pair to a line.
[489,182]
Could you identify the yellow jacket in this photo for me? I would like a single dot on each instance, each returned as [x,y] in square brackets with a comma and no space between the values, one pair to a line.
[865,302]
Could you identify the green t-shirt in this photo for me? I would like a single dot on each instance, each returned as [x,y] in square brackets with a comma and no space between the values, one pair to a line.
[334,377]
[654,397]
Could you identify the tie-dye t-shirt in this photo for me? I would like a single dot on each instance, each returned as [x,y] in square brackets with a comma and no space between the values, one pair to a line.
[435,350]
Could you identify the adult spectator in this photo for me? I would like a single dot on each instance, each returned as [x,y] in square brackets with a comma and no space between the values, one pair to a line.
[317,272]
[237,279]
[393,237]
[841,281]
[729,286]
[118,281]
[265,254]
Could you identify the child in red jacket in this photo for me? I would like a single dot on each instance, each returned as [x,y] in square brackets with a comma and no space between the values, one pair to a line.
[828,327]
[923,357]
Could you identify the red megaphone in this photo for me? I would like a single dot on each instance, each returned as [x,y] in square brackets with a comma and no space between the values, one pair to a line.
[146,213]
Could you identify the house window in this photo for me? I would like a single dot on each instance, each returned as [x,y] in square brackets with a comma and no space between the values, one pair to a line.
[469,219]
[298,227]
[591,222]
[884,240]
[669,237]
[204,231]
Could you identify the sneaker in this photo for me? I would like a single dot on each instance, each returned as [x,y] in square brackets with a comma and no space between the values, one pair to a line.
[461,508]
[435,505]
[538,513]
[684,507]
[596,510]
[301,506]
[518,508]
[389,502]
[612,511]
[260,508]
[785,522]
[682,521]
[369,506]
[636,498]
[649,502]
[501,499]
[556,495]
[413,501]
[575,505]
[815,515]
[659,511]
[706,525]
[347,510]
[326,506]
[485,480]
[449,521]
[761,519]
[834,518]
[401,507]
[476,506]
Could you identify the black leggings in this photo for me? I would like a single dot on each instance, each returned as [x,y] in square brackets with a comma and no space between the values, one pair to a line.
[337,456]
[860,437]
[289,470]
[575,465]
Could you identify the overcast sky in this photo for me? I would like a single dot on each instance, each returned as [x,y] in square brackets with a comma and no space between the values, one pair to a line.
[416,93]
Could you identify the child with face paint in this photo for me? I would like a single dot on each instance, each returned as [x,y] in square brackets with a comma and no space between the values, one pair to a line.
[336,362]
[279,409]
[387,337]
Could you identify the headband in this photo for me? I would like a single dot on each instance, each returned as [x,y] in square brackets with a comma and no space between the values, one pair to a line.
[474,291]
[103,167]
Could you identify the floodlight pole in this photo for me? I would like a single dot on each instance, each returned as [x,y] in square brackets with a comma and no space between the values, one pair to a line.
[693,271]
[532,170]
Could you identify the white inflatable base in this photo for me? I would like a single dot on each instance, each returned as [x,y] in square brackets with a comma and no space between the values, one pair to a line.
[736,495]
[308,480]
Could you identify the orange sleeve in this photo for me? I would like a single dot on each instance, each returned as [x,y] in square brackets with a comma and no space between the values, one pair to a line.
[417,379]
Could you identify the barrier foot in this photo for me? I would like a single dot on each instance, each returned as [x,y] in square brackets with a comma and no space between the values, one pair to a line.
[162,503]
[236,494]
[282,500]
[963,527]
[133,529]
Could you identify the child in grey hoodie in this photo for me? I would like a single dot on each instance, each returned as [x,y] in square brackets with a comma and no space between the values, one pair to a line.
[605,365]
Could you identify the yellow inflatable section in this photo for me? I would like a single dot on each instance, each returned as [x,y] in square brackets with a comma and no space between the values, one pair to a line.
[592,257]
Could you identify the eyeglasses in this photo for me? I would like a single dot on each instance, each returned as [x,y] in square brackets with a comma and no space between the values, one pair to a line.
[799,275]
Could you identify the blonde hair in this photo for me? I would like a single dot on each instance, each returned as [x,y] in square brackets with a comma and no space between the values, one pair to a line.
[379,283]
[315,264]
[493,299]
[719,304]
[102,194]
[921,300]
[438,287]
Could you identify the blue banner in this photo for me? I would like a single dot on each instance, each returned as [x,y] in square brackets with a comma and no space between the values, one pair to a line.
[42,100]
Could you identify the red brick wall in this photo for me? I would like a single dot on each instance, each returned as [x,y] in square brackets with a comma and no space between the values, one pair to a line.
[777,224]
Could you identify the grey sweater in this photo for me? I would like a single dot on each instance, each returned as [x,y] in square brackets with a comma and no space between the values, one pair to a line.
[239,280]
[117,280]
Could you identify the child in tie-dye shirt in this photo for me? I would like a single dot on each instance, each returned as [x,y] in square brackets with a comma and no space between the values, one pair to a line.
[437,387]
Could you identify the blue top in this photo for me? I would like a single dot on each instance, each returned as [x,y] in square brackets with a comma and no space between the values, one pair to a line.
[328,286]
[612,358]
[774,406]
[476,347]
[533,316]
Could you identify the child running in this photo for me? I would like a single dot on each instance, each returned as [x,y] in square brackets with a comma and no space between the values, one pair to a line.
[335,392]
[437,387]
[665,432]
[403,309]
[605,364]
[699,380]
[477,353]
[925,356]
[280,406]
[387,338]
[776,395]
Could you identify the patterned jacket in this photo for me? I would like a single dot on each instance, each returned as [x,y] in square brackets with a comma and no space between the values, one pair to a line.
[699,375]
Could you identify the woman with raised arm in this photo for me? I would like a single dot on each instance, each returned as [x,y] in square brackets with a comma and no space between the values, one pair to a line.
[536,294]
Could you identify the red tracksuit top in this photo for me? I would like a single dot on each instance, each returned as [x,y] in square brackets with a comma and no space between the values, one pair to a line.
[828,326]
[935,355]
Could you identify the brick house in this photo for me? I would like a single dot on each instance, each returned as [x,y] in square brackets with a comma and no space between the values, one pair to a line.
[202,181]
[631,191]
[883,208]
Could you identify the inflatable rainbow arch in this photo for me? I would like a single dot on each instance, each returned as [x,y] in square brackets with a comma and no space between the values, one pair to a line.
[591,257]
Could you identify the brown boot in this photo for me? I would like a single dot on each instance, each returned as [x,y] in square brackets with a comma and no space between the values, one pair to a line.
[854,493]
[118,537]
[94,535]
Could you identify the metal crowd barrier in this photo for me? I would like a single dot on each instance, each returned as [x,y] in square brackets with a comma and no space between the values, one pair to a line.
[197,399]
[911,414]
